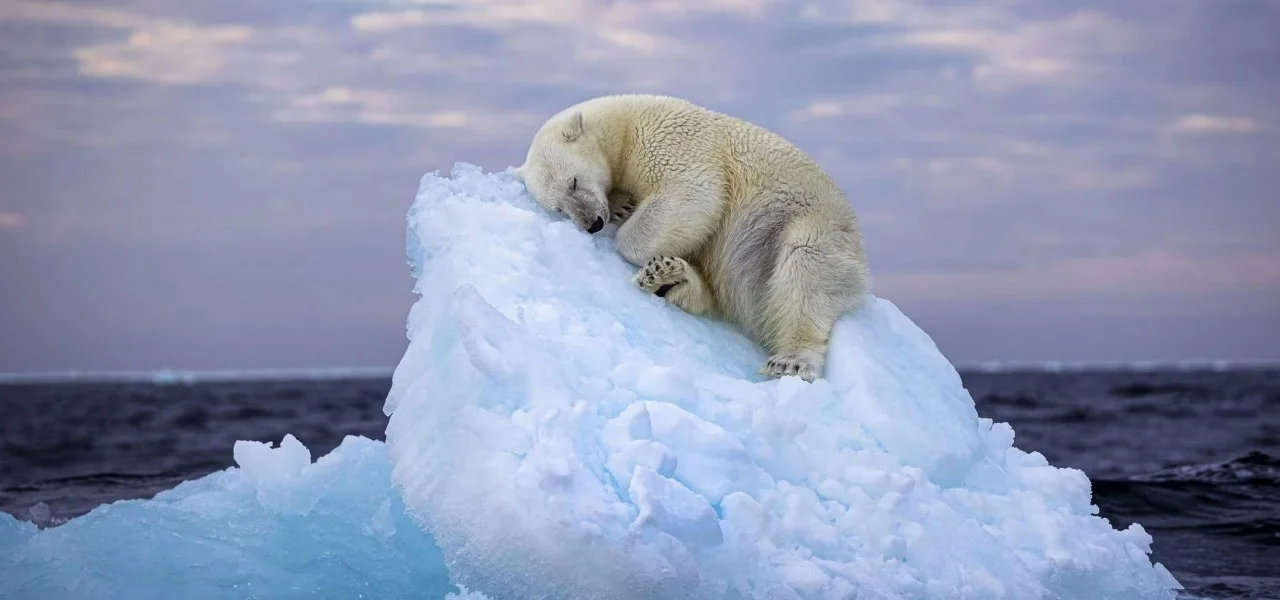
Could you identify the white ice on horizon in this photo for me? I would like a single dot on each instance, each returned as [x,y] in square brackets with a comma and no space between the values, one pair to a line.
[562,434]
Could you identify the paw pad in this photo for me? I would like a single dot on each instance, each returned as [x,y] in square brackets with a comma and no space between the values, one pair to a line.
[661,274]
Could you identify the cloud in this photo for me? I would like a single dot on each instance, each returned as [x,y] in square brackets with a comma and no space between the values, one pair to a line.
[1110,179]
[1209,124]
[66,12]
[290,69]
[1016,155]
[870,105]
[384,21]
[584,16]
[970,171]
[370,106]
[12,221]
[613,28]
[1006,49]
[380,107]
[154,49]
[1149,273]
[166,53]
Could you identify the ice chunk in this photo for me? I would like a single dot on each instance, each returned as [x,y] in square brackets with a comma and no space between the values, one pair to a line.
[562,434]
[673,508]
[278,526]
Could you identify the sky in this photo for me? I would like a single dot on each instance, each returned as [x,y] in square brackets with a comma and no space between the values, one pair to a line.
[223,185]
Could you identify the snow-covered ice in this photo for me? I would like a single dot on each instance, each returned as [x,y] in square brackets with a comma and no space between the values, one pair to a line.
[556,433]
[275,526]
[563,434]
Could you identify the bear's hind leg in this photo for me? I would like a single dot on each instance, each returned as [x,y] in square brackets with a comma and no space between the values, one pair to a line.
[817,278]
[673,278]
[800,345]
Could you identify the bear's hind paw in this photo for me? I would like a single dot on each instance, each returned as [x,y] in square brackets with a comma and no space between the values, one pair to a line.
[797,363]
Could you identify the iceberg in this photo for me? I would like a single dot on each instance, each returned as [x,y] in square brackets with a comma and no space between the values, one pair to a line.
[553,432]
[562,434]
[275,526]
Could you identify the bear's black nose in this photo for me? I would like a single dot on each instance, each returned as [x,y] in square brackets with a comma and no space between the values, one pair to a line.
[597,226]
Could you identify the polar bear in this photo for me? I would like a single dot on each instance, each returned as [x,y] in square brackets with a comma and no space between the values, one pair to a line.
[722,217]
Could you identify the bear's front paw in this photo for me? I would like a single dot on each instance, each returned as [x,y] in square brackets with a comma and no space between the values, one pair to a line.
[619,214]
[661,274]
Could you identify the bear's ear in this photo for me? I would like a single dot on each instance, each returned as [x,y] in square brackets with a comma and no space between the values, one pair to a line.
[575,128]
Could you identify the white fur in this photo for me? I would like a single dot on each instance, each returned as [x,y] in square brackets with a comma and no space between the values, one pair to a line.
[724,217]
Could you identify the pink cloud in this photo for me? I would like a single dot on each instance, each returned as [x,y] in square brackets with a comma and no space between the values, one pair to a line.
[12,220]
[1152,272]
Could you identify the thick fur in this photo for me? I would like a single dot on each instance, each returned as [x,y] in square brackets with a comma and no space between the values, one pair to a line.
[723,217]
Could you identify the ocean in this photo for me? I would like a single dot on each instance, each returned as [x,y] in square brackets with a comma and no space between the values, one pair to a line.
[1194,456]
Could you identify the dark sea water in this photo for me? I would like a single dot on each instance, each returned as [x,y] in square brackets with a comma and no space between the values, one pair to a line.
[1192,456]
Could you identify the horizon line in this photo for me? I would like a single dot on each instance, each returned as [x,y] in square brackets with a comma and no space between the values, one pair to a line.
[174,376]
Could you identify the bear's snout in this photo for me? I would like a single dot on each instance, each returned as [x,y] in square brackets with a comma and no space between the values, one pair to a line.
[589,214]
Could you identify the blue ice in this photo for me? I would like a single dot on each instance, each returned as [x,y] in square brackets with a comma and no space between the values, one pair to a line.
[554,432]
[275,526]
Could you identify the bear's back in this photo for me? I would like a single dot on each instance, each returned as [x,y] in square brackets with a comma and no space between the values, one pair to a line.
[682,134]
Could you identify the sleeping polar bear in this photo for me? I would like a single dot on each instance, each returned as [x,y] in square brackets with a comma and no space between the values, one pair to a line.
[723,217]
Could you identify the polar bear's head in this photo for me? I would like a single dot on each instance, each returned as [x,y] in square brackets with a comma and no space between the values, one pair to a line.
[567,171]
